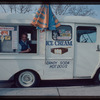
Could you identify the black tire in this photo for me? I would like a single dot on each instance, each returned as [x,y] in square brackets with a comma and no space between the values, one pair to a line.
[97,78]
[26,79]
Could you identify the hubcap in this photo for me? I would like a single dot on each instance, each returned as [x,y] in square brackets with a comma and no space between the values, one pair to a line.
[26,79]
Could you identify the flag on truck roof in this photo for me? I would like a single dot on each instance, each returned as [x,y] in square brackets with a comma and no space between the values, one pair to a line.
[45,19]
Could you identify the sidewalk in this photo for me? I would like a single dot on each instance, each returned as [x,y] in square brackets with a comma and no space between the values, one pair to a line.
[52,91]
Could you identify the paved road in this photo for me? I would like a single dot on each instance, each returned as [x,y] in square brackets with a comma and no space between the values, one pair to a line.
[52,91]
[53,88]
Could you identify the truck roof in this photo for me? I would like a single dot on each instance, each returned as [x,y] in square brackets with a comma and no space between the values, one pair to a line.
[27,18]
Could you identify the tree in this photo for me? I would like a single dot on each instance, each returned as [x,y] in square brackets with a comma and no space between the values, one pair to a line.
[60,9]
[79,10]
[3,8]
[76,10]
[17,8]
[24,8]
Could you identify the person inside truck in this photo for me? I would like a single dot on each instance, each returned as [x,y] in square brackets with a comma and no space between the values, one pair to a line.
[23,44]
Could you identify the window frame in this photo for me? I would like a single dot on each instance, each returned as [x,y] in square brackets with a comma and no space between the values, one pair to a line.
[17,53]
[37,47]
[86,26]
[64,39]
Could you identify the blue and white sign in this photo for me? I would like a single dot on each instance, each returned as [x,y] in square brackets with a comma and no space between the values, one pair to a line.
[58,43]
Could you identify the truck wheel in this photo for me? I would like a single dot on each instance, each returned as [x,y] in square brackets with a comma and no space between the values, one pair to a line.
[97,78]
[26,79]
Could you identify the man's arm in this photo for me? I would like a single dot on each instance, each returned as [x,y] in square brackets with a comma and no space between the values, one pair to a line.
[29,47]
[25,51]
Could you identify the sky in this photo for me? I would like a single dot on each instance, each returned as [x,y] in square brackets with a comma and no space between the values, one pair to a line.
[95,7]
[97,10]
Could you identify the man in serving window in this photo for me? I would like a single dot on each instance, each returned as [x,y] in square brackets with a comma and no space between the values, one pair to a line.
[24,45]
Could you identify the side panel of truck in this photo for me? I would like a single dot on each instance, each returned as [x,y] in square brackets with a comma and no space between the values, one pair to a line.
[11,64]
[86,56]
[59,66]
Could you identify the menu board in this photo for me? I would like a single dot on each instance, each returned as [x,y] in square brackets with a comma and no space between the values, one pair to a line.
[4,33]
[14,40]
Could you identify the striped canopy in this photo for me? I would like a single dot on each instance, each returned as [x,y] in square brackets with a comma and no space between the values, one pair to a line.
[45,19]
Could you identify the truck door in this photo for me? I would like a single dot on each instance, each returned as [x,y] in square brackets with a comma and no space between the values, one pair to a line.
[59,53]
[86,56]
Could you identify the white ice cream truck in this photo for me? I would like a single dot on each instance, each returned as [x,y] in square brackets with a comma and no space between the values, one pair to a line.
[72,51]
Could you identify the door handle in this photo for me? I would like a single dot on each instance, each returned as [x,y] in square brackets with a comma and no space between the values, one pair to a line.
[98,48]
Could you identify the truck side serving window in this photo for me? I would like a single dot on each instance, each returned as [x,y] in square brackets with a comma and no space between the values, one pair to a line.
[86,34]
[63,32]
[27,39]
[8,39]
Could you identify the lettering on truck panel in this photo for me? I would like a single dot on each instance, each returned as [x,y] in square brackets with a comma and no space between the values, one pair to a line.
[58,64]
[59,43]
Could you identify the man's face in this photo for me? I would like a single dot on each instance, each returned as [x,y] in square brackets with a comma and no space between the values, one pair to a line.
[24,38]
